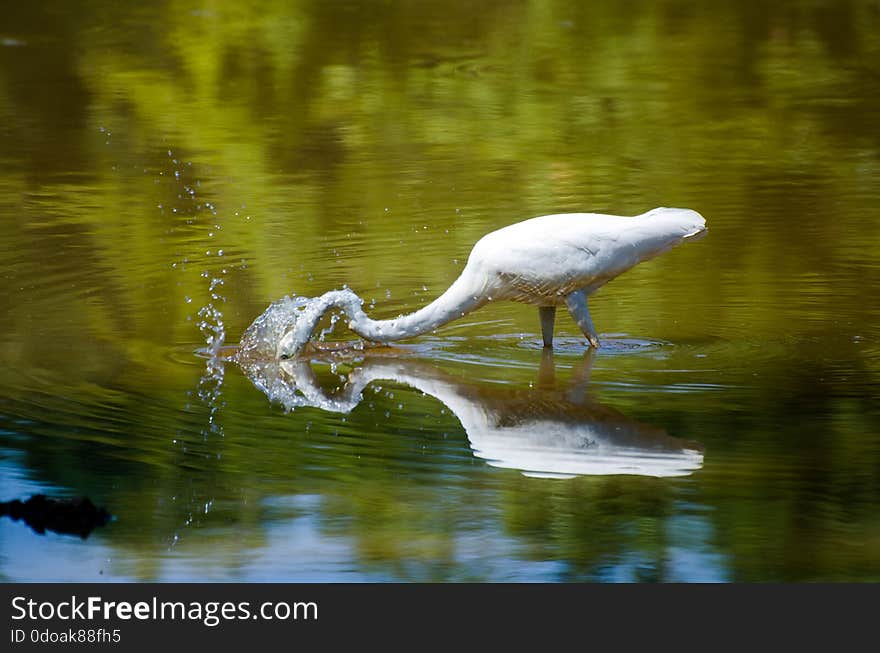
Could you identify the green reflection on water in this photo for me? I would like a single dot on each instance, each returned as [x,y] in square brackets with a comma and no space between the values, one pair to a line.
[371,144]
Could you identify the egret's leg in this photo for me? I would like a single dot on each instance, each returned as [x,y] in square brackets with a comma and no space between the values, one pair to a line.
[548,317]
[580,379]
[577,306]
[547,369]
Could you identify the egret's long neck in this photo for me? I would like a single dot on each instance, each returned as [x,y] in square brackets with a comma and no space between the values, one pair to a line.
[430,381]
[462,297]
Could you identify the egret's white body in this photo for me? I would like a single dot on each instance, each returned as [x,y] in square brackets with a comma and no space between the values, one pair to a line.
[547,261]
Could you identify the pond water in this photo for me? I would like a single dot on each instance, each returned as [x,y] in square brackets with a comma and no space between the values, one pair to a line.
[167,171]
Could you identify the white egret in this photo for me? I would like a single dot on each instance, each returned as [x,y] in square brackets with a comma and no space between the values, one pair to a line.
[548,261]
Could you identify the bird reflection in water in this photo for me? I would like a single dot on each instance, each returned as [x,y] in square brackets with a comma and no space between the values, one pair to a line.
[543,431]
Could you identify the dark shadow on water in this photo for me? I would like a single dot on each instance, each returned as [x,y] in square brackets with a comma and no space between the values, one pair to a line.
[548,429]
[77,516]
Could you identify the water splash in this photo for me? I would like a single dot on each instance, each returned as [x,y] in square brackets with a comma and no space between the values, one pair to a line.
[200,451]
[325,332]
[211,325]
[210,392]
[292,384]
[260,340]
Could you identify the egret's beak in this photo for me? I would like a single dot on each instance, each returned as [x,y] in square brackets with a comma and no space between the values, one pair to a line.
[697,234]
